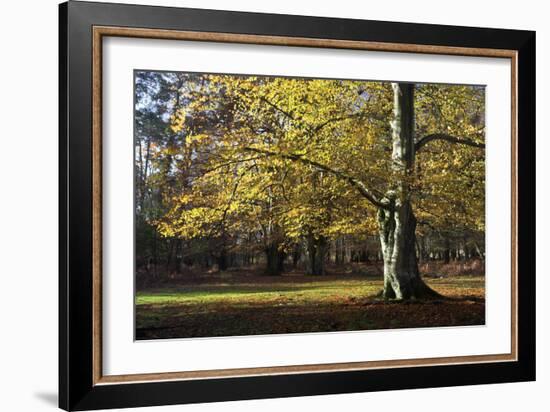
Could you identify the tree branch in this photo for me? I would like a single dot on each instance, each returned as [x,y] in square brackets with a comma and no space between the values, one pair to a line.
[360,186]
[321,126]
[229,163]
[448,138]
[273,105]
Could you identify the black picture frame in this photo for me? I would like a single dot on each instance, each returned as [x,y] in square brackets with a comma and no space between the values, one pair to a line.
[77,390]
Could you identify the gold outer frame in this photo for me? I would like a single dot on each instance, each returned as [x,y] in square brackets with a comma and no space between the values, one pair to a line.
[102,31]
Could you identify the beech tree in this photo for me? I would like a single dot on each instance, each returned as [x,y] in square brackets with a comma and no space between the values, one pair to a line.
[272,163]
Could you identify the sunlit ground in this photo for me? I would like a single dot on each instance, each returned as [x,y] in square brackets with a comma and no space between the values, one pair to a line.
[231,305]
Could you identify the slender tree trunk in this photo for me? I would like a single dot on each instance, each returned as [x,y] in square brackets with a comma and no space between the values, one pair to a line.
[347,250]
[479,252]
[396,221]
[337,248]
[447,251]
[174,259]
[155,255]
[422,249]
[281,256]
[296,255]
[144,175]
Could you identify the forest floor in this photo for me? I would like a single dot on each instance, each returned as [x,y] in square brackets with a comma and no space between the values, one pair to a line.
[233,304]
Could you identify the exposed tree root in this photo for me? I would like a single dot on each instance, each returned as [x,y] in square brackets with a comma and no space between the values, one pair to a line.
[421,292]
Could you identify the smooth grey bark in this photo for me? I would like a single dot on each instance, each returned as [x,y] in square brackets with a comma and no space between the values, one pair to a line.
[396,221]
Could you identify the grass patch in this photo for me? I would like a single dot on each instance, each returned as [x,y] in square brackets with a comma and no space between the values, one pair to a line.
[244,306]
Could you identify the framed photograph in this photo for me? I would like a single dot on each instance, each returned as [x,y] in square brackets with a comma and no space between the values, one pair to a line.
[256,206]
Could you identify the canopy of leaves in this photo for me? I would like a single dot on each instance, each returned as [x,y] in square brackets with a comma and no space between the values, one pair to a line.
[270,159]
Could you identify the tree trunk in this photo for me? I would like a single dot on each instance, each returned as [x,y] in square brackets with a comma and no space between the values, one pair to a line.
[447,251]
[281,256]
[347,250]
[397,236]
[177,256]
[222,260]
[396,221]
[479,252]
[338,251]
[273,260]
[296,255]
[316,249]
[422,255]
